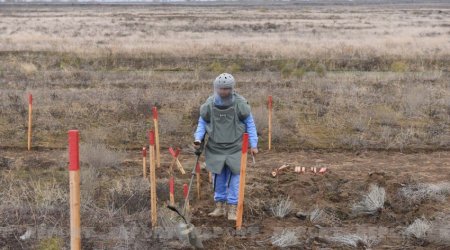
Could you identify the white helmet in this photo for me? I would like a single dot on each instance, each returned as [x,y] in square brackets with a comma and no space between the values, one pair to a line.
[224,80]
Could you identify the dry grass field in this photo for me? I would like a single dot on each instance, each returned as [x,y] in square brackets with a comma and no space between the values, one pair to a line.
[362,89]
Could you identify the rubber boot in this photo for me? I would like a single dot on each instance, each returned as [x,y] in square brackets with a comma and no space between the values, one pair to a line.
[219,210]
[232,212]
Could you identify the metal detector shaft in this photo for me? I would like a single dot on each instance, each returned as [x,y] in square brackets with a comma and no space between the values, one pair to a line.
[198,152]
[190,184]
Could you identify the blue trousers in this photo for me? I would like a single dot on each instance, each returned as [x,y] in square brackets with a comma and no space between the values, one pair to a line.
[226,187]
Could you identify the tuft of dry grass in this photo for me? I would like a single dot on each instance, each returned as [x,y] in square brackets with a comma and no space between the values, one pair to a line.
[43,194]
[98,155]
[89,183]
[323,217]
[285,238]
[418,229]
[440,230]
[28,69]
[418,193]
[281,207]
[372,203]
[130,194]
[355,240]
[36,201]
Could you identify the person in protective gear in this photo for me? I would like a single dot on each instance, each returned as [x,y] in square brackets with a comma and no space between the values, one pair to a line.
[225,117]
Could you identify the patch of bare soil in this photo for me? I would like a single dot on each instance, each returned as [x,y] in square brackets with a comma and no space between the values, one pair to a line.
[348,178]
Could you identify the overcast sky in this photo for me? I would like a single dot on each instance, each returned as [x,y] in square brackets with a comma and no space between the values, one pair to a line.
[264,1]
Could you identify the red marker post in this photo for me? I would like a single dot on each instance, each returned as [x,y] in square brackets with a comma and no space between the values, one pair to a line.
[153,204]
[30,109]
[269,107]
[74,185]
[155,123]
[171,178]
[240,206]
[144,164]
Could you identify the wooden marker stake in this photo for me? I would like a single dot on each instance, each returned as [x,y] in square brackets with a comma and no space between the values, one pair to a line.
[30,109]
[153,204]
[175,160]
[197,172]
[144,164]
[74,186]
[269,106]
[240,206]
[171,178]
[155,122]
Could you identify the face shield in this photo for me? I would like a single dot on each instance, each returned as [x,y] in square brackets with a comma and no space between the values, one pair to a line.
[224,90]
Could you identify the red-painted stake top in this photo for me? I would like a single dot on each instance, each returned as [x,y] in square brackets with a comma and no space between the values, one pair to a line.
[155,113]
[144,152]
[74,159]
[185,186]
[197,168]
[174,153]
[30,98]
[152,137]
[270,101]
[245,143]
[171,185]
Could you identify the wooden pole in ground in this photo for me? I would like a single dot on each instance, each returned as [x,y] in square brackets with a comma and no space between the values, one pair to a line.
[269,107]
[185,192]
[144,163]
[172,152]
[153,204]
[155,122]
[30,109]
[171,178]
[74,186]
[240,206]
[197,172]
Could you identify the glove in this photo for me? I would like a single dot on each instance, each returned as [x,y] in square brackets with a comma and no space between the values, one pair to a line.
[197,144]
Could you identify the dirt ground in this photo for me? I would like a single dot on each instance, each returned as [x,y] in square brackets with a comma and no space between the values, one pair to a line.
[361,89]
[347,179]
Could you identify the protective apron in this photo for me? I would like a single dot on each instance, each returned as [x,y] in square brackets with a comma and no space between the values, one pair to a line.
[225,131]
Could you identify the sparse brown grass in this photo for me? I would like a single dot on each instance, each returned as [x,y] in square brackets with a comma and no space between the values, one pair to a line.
[353,79]
[98,155]
[326,33]
[339,110]
[27,69]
